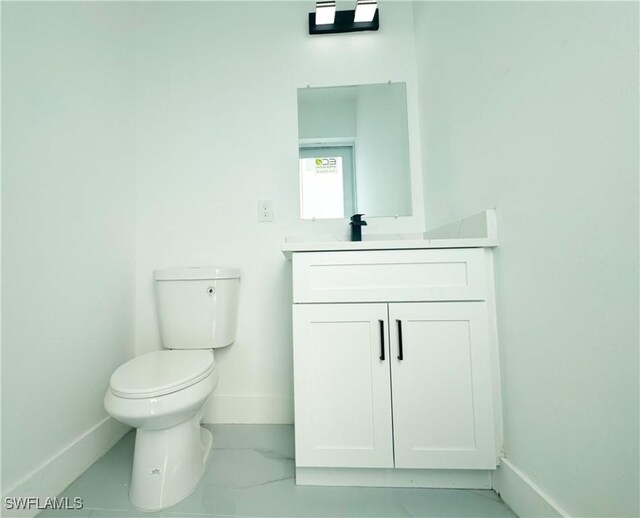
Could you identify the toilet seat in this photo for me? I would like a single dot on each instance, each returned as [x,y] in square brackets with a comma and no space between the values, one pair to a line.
[161,372]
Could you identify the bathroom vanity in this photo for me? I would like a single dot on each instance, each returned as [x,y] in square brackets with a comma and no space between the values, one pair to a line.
[396,379]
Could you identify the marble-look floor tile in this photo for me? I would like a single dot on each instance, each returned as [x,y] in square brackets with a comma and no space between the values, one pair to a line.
[267,438]
[105,485]
[112,513]
[282,498]
[250,474]
[231,472]
[461,503]
[65,513]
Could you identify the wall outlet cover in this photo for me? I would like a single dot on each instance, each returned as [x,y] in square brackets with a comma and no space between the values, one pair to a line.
[265,211]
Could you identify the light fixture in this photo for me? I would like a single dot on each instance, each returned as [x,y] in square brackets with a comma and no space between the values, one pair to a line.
[326,20]
[365,10]
[325,12]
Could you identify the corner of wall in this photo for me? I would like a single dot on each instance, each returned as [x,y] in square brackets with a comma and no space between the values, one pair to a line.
[58,472]
[523,495]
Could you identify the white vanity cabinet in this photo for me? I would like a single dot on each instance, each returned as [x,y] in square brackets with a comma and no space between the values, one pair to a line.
[395,367]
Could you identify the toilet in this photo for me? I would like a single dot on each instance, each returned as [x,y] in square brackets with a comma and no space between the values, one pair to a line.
[163,393]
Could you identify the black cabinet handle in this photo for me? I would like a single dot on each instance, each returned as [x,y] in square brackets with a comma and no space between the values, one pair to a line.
[400,355]
[381,339]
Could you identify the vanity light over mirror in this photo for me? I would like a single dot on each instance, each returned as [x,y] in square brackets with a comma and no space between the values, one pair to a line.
[354,151]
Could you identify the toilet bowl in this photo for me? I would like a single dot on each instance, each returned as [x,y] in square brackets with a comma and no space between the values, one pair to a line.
[163,393]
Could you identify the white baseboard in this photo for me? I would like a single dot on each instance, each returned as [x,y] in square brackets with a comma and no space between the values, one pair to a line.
[249,409]
[56,474]
[519,492]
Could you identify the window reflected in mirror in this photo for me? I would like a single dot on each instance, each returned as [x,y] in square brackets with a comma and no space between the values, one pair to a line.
[326,182]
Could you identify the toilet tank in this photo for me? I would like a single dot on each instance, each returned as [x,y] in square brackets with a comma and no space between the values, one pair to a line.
[197,307]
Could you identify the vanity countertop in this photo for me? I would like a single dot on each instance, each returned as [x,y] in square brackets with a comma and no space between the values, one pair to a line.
[477,231]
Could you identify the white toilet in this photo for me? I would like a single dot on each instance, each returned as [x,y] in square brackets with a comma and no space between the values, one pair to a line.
[163,393]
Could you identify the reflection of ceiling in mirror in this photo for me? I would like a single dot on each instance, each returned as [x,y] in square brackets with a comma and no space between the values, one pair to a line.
[341,93]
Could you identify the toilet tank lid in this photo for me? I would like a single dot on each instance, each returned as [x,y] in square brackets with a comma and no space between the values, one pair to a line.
[196,273]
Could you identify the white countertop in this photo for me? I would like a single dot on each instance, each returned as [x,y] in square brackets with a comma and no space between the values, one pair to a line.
[477,231]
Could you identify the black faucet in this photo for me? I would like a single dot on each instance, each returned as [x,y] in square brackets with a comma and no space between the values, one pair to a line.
[356,227]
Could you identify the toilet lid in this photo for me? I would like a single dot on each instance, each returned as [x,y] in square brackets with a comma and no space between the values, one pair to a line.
[161,372]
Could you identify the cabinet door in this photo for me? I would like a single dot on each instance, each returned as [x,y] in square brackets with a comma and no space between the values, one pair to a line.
[442,395]
[342,386]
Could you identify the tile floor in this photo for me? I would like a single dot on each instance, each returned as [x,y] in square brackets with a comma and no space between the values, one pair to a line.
[251,474]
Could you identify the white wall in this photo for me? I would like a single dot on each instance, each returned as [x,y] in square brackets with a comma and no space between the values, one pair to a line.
[67,234]
[217,131]
[532,108]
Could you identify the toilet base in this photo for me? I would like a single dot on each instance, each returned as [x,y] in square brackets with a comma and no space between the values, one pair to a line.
[168,464]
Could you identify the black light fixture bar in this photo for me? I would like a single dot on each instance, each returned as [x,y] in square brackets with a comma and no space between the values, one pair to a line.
[343,23]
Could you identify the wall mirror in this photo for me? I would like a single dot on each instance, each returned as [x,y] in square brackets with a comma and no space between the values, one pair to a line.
[354,151]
